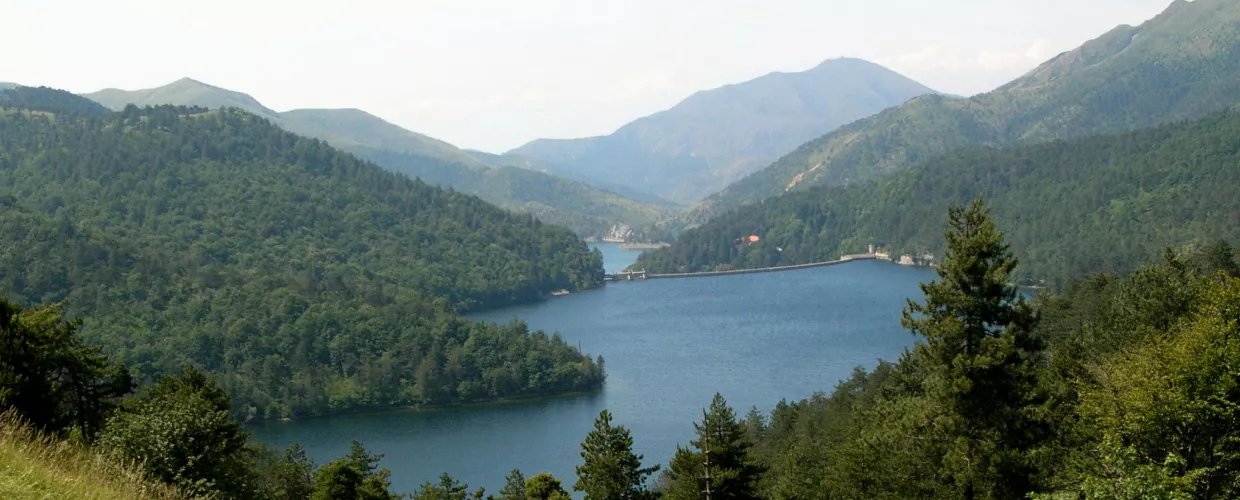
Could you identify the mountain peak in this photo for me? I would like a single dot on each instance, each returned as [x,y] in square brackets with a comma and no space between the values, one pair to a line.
[717,136]
[183,92]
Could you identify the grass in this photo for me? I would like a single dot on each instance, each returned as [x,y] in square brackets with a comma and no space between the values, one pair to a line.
[33,467]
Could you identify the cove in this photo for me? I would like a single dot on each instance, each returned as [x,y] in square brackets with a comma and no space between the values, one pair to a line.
[669,345]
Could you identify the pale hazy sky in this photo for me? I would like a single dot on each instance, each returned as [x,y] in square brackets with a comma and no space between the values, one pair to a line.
[493,74]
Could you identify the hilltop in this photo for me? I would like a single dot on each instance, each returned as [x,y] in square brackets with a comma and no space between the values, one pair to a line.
[717,136]
[587,210]
[1184,63]
[306,280]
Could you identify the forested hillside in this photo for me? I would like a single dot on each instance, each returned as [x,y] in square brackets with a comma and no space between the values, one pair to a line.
[717,136]
[587,210]
[1116,388]
[1183,64]
[307,280]
[1097,204]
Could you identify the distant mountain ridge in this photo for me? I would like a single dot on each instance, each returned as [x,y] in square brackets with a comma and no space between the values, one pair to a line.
[585,209]
[716,136]
[1182,64]
[183,92]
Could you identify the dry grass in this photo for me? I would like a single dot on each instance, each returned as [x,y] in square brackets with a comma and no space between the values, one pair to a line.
[33,467]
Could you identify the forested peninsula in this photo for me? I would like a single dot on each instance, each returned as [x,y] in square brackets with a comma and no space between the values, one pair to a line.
[305,280]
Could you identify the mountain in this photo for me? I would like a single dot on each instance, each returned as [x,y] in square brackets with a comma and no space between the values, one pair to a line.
[1068,207]
[587,210]
[7,85]
[354,128]
[1182,64]
[183,92]
[308,281]
[717,136]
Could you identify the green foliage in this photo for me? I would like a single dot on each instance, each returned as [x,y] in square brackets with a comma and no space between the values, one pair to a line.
[355,477]
[721,464]
[447,489]
[1098,204]
[514,487]
[1171,403]
[182,432]
[584,209]
[1133,396]
[49,100]
[545,486]
[287,475]
[310,281]
[610,470]
[1183,64]
[50,378]
[981,361]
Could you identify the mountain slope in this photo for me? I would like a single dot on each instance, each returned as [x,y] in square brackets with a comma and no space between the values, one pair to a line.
[717,136]
[7,85]
[587,210]
[350,128]
[1182,64]
[307,280]
[183,92]
[1093,204]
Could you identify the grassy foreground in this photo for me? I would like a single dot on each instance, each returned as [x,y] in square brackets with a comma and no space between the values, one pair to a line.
[32,467]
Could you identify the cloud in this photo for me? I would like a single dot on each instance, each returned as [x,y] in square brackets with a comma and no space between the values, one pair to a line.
[1007,60]
[969,71]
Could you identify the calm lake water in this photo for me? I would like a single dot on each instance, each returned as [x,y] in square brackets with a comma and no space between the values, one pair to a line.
[669,346]
[615,259]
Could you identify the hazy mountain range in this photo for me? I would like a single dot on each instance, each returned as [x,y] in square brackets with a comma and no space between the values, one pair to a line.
[1182,64]
[715,137]
[586,209]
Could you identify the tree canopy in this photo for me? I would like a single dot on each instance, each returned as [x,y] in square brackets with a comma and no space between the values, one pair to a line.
[310,281]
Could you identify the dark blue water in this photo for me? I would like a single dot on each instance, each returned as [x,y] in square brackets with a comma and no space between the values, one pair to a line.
[669,346]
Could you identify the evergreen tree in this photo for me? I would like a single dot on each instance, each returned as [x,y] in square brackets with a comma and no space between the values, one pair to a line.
[52,379]
[981,358]
[447,489]
[356,476]
[722,463]
[611,471]
[514,487]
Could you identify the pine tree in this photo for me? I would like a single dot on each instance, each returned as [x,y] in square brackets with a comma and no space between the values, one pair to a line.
[981,357]
[611,471]
[721,464]
[514,486]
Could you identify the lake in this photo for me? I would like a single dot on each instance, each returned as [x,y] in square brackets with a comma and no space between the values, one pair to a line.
[669,345]
[615,259]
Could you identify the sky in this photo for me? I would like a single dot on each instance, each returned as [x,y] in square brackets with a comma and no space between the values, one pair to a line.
[494,74]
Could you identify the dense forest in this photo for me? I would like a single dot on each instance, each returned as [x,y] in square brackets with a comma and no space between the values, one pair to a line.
[307,280]
[1097,204]
[587,210]
[1182,64]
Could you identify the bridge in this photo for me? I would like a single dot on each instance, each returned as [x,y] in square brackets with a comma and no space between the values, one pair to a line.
[626,276]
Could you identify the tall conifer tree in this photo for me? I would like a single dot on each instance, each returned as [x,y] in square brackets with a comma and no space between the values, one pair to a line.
[981,358]
[720,461]
[611,471]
